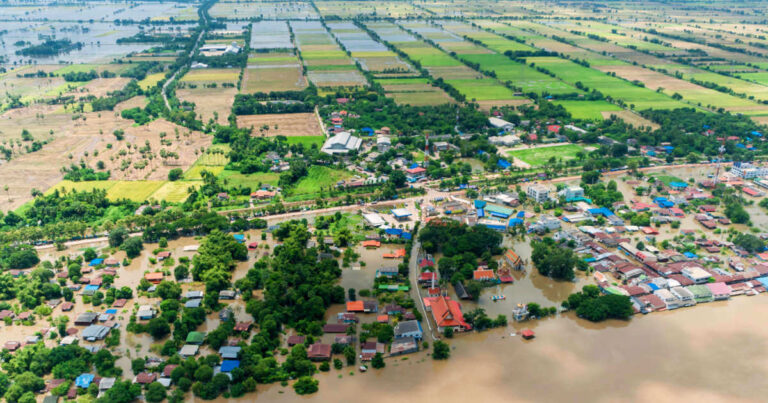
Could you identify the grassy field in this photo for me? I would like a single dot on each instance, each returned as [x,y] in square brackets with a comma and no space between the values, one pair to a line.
[667,179]
[137,191]
[235,178]
[588,110]
[151,80]
[319,178]
[212,75]
[307,141]
[174,192]
[196,172]
[541,156]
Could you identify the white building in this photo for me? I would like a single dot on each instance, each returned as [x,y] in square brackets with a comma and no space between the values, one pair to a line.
[501,124]
[383,143]
[571,192]
[575,129]
[341,143]
[746,170]
[539,193]
[507,141]
[373,219]
[696,274]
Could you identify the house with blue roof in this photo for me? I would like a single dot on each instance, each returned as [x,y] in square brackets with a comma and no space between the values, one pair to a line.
[503,164]
[84,380]
[240,238]
[229,365]
[96,262]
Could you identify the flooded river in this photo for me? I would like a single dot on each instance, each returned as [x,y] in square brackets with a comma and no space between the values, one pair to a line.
[713,352]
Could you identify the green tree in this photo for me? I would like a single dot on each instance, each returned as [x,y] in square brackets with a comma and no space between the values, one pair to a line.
[306,385]
[441,350]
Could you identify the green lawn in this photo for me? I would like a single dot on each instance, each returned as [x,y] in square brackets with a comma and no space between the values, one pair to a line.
[541,156]
[306,140]
[667,179]
[235,178]
[319,178]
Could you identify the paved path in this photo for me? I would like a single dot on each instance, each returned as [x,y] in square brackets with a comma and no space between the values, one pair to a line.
[191,53]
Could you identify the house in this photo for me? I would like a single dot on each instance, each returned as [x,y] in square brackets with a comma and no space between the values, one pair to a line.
[194,294]
[227,294]
[538,193]
[163,255]
[243,326]
[168,370]
[719,290]
[355,306]
[669,299]
[195,338]
[383,143]
[409,328]
[229,365]
[262,194]
[198,65]
[12,345]
[405,345]
[65,307]
[571,192]
[319,352]
[145,312]
[373,220]
[154,277]
[341,143]
[446,313]
[86,319]
[401,214]
[229,352]
[415,174]
[106,384]
[189,350]
[685,296]
[193,303]
[389,271]
[501,124]
[145,378]
[483,275]
[701,293]
[295,340]
[696,274]
[508,140]
[746,170]
[84,380]
[95,332]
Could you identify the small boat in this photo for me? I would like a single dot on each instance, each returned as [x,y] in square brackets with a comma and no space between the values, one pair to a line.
[363,368]
[497,297]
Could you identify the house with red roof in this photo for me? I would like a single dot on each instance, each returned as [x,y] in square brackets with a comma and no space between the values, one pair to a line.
[553,129]
[446,313]
[483,275]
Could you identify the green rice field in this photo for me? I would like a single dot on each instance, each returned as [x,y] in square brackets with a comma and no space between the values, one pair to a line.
[540,156]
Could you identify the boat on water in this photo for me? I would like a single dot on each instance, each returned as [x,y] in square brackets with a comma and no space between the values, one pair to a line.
[498,297]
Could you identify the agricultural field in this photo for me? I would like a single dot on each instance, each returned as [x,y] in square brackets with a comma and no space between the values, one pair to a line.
[414,91]
[306,141]
[588,110]
[540,156]
[327,64]
[271,35]
[253,180]
[211,76]
[373,56]
[288,124]
[381,9]
[267,10]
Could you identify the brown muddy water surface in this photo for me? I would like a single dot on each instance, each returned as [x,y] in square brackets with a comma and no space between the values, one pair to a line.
[712,352]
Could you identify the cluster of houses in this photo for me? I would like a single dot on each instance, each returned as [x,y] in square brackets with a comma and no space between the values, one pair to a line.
[407,332]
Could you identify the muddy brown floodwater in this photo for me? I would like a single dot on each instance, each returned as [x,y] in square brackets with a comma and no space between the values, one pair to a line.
[712,352]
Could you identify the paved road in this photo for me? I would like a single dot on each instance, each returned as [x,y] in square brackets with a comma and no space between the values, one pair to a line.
[173,77]
[413,273]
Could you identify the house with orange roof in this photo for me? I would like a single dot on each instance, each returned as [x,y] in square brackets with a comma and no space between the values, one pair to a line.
[154,277]
[371,244]
[483,275]
[446,313]
[355,306]
[513,260]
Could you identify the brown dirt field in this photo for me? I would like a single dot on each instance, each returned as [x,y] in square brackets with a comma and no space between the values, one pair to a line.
[763,120]
[100,87]
[273,79]
[631,118]
[288,124]
[157,168]
[209,100]
[140,101]
[90,133]
[487,105]
[652,79]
